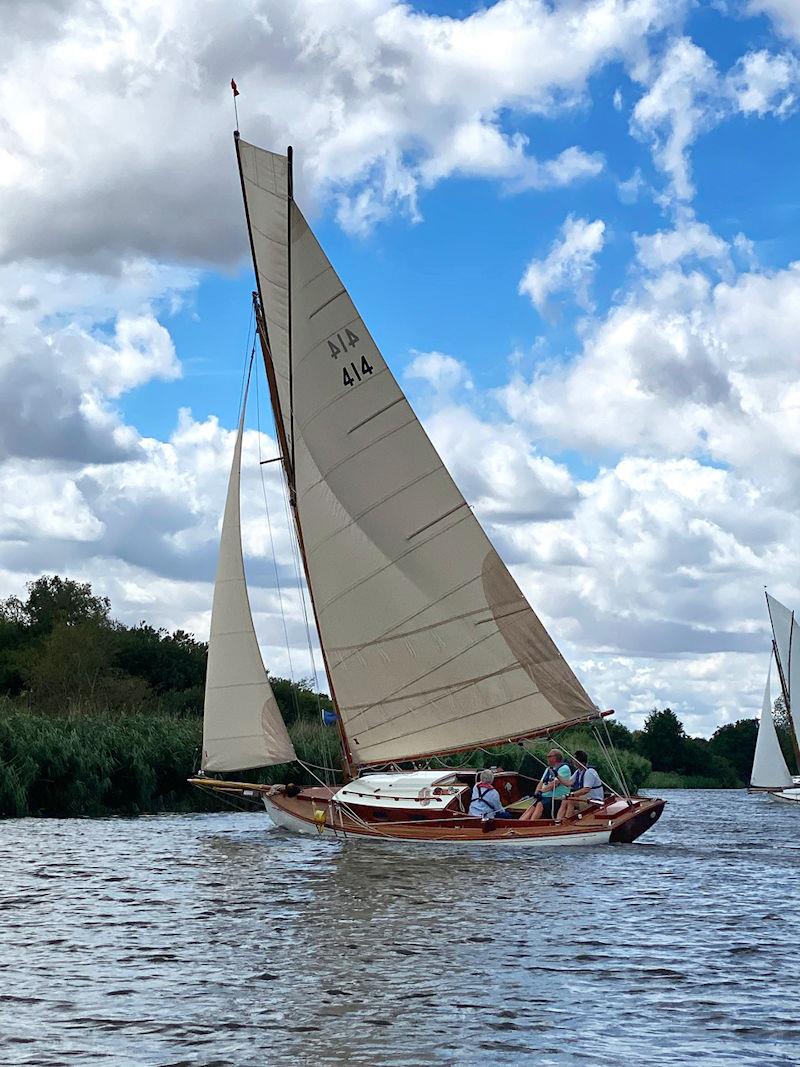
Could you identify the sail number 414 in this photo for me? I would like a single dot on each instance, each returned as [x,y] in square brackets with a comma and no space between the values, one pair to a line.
[353,371]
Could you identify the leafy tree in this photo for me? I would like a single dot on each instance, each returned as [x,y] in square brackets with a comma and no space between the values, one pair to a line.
[70,671]
[167,662]
[52,600]
[663,740]
[12,640]
[736,743]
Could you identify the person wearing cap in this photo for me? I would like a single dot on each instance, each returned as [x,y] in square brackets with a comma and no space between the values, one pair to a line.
[486,802]
[587,789]
[552,789]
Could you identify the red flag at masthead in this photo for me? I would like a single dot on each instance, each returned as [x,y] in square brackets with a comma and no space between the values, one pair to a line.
[233,86]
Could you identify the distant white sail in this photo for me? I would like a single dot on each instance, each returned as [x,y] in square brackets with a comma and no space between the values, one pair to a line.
[242,724]
[787,646]
[430,643]
[769,766]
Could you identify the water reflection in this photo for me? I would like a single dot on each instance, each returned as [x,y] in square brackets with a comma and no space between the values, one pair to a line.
[216,940]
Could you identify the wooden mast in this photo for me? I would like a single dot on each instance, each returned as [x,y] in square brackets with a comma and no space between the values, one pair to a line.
[787,703]
[286,442]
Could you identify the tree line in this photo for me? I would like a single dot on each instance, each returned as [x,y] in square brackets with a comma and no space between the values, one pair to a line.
[97,716]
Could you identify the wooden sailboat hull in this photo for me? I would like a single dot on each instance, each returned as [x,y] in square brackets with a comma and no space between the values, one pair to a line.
[790,795]
[313,811]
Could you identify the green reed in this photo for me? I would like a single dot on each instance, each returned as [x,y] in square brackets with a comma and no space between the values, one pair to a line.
[135,763]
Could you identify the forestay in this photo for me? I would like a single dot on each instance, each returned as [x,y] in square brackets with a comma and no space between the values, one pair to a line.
[769,766]
[430,644]
[242,725]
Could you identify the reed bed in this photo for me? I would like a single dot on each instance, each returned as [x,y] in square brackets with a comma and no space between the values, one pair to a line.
[138,763]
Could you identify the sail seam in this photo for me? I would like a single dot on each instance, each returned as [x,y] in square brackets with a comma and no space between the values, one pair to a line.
[446,688]
[358,452]
[393,562]
[389,635]
[456,718]
[275,241]
[378,503]
[335,400]
[399,694]
[447,621]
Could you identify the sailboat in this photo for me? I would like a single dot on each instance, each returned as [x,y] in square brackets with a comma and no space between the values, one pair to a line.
[770,773]
[430,648]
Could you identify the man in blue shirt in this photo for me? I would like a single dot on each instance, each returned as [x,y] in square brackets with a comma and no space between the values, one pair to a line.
[486,802]
[587,788]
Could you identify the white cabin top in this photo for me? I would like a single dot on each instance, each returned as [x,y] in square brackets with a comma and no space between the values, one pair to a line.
[409,789]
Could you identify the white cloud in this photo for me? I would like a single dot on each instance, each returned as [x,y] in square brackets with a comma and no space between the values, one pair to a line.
[441,371]
[72,343]
[686,96]
[679,103]
[784,13]
[499,471]
[763,83]
[682,366]
[689,239]
[628,190]
[569,265]
[378,99]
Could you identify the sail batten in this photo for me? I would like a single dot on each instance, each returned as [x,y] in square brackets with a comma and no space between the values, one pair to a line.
[398,567]
[242,724]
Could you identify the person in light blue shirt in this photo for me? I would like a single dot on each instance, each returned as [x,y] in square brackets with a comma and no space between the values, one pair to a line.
[553,788]
[486,802]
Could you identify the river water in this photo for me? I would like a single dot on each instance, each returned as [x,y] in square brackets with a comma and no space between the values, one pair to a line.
[217,940]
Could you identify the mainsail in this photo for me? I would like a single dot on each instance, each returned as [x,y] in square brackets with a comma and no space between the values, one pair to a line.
[242,724]
[769,766]
[430,644]
[787,652]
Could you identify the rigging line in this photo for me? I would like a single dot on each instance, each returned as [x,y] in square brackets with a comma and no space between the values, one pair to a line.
[564,750]
[343,807]
[272,547]
[617,758]
[301,588]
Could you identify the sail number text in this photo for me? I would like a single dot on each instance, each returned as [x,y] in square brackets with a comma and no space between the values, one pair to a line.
[352,371]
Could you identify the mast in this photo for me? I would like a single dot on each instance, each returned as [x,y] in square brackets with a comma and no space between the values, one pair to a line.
[285,441]
[787,701]
[289,202]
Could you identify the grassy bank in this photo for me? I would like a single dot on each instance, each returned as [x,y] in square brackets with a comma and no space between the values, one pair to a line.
[128,764]
[131,764]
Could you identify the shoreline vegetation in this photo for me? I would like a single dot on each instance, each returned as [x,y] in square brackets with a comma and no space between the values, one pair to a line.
[99,718]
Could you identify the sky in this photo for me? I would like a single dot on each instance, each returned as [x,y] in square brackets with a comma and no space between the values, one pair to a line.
[573,228]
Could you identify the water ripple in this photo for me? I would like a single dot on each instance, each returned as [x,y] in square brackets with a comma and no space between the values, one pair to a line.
[210,940]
